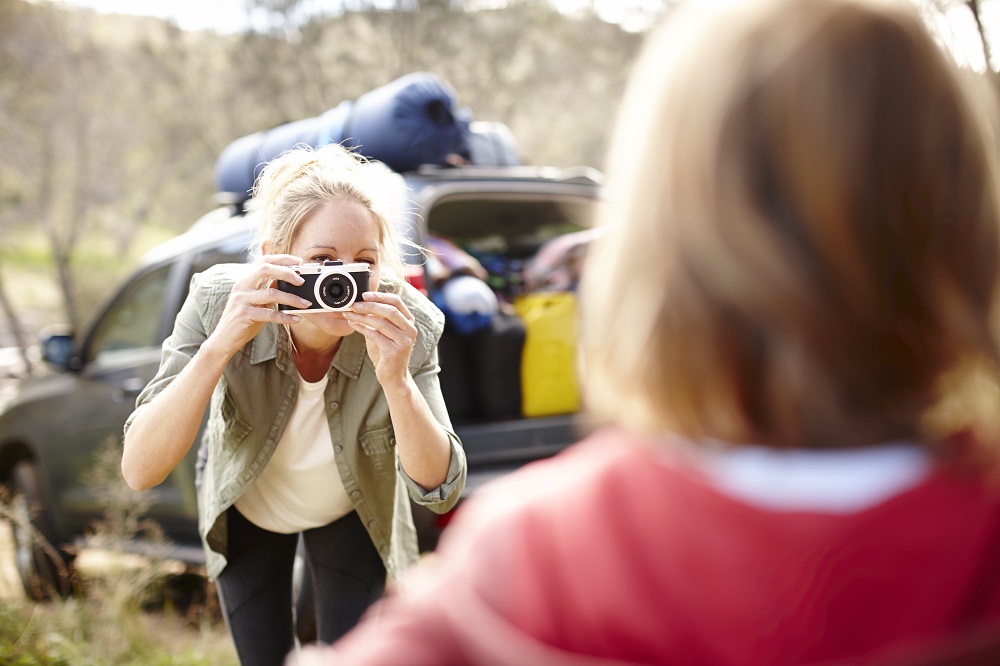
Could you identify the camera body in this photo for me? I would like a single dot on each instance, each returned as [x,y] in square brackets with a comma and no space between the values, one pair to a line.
[331,286]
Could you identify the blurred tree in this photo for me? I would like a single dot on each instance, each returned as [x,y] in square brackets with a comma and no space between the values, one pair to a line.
[113,123]
[91,144]
[66,138]
[9,198]
[526,65]
[974,7]
[949,19]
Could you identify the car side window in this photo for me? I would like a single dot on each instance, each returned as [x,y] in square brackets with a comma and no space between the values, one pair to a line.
[133,320]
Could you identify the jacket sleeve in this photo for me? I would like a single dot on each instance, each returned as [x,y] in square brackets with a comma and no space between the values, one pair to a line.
[425,371]
[180,347]
[445,496]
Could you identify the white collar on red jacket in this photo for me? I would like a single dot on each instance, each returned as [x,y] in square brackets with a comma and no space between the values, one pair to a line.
[824,481]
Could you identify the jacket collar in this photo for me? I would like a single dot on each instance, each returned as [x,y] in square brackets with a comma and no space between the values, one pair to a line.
[351,356]
[264,346]
[272,343]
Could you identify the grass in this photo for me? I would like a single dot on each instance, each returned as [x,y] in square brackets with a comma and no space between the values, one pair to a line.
[98,268]
[125,610]
[78,632]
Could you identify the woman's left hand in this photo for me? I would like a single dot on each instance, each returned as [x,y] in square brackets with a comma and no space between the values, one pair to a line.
[390,331]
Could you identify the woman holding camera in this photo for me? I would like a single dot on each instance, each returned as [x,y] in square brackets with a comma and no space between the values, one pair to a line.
[311,429]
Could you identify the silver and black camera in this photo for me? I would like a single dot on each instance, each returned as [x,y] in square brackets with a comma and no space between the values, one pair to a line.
[331,286]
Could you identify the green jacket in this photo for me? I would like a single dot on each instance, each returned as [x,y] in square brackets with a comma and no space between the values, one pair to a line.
[253,401]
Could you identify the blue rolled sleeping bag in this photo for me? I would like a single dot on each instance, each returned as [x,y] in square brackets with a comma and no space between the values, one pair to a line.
[238,166]
[403,124]
[408,122]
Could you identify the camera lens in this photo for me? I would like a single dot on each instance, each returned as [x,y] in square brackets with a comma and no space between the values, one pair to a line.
[336,291]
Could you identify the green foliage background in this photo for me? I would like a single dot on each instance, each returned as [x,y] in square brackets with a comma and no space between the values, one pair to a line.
[112,124]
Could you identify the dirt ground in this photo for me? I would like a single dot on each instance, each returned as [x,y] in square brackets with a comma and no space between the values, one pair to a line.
[10,587]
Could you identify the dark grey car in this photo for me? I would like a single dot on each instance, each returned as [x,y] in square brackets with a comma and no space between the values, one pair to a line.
[51,428]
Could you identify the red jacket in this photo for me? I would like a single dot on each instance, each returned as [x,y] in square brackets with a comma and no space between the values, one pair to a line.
[613,553]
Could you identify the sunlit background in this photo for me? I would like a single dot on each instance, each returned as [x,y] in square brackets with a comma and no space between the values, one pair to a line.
[137,97]
[953,19]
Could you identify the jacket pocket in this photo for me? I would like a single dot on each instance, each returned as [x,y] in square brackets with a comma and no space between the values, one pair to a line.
[234,428]
[380,447]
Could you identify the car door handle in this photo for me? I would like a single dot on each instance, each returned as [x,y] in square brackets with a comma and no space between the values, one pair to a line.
[129,389]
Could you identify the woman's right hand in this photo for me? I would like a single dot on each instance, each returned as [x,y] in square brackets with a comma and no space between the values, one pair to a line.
[251,303]
[164,429]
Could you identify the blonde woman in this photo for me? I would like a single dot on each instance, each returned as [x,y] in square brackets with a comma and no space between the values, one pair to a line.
[801,246]
[320,423]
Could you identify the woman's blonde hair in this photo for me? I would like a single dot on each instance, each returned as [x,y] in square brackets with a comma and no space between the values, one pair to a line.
[297,183]
[802,229]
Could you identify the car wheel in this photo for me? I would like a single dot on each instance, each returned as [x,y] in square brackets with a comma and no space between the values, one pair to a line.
[43,569]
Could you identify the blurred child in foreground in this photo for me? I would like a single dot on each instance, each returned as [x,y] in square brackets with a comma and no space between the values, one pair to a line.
[802,251]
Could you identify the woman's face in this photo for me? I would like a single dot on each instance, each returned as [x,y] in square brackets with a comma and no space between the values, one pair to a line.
[344,231]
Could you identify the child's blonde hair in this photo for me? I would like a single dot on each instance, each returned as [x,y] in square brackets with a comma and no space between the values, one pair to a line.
[802,229]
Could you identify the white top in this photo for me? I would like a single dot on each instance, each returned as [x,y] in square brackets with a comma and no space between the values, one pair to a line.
[823,481]
[300,487]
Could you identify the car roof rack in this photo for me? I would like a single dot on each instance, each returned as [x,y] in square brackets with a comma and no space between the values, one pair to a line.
[581,175]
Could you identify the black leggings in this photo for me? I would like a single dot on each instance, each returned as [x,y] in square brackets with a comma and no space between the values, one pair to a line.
[255,588]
